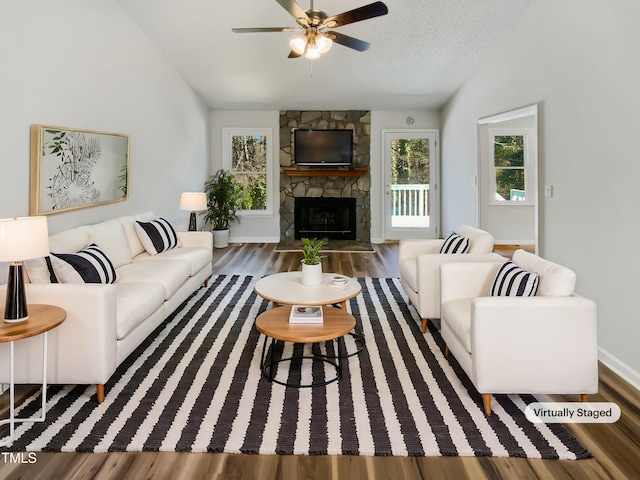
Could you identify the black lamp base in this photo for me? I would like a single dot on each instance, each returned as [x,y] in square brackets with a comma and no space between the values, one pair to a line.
[192,222]
[15,309]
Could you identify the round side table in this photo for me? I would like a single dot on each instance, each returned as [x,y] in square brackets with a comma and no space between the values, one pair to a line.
[42,318]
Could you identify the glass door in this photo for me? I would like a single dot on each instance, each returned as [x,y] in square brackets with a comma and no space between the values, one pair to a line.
[411,184]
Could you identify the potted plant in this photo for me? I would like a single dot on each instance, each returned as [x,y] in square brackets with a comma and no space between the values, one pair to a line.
[223,203]
[311,263]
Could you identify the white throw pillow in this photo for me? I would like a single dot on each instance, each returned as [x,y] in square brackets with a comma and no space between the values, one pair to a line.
[455,244]
[157,236]
[513,281]
[90,265]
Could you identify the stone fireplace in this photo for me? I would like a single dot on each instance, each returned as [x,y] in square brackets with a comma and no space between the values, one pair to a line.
[324,217]
[323,186]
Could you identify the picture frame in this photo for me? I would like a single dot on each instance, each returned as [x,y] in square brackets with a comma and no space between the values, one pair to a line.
[73,168]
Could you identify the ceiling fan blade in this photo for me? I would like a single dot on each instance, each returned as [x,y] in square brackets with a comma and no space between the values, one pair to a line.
[295,11]
[293,54]
[264,29]
[363,13]
[348,41]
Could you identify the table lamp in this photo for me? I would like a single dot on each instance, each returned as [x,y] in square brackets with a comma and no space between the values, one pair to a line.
[21,238]
[193,202]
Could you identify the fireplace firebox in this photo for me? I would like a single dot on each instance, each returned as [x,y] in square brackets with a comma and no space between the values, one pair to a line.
[325,217]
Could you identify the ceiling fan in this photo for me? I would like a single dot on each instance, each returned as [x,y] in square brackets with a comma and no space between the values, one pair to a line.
[316,37]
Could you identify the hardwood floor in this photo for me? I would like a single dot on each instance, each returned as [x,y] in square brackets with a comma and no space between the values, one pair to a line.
[616,446]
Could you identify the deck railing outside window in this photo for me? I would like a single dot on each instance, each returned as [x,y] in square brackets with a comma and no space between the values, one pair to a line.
[410,206]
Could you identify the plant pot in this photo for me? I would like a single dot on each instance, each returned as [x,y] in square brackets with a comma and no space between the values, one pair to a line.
[220,238]
[311,274]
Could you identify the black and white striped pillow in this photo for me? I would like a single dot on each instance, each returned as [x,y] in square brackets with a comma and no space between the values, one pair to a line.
[156,236]
[90,265]
[513,281]
[455,244]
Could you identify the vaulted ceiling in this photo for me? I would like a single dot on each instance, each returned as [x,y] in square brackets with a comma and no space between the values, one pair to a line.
[421,53]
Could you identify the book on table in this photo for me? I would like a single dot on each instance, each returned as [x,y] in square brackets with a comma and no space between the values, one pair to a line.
[305,314]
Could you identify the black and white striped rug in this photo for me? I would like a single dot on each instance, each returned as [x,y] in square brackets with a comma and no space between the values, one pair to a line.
[195,385]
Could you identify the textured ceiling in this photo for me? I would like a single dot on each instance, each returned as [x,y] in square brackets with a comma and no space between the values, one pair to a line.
[422,51]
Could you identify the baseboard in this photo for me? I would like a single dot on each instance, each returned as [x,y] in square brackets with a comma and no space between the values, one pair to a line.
[513,242]
[254,239]
[620,368]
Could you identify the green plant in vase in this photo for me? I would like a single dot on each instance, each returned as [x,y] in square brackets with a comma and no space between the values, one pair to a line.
[311,263]
[311,250]
[223,204]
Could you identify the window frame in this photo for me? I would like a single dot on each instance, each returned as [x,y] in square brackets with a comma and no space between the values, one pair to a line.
[227,136]
[528,174]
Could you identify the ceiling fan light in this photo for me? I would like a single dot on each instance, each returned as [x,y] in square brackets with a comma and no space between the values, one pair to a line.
[298,44]
[312,51]
[324,43]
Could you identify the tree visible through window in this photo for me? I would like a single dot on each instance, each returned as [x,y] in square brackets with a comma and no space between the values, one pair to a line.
[509,164]
[249,165]
[409,161]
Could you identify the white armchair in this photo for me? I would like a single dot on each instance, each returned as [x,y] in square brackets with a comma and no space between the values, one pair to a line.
[544,344]
[420,260]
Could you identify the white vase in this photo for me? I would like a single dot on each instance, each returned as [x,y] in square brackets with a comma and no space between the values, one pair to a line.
[220,238]
[311,274]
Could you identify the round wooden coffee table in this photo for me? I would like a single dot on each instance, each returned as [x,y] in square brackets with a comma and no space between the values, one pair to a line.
[287,288]
[274,324]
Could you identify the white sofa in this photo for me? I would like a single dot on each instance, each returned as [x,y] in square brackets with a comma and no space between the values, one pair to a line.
[106,322]
[420,260]
[542,344]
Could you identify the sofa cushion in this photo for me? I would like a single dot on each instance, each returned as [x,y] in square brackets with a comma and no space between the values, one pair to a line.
[134,303]
[110,237]
[128,225]
[37,270]
[555,280]
[198,258]
[90,265]
[458,315]
[513,281]
[455,244]
[69,241]
[171,274]
[480,241]
[157,236]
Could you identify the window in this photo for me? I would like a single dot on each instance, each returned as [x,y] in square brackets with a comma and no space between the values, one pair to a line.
[510,160]
[247,155]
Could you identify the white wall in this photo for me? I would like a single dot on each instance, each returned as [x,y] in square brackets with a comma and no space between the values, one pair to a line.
[580,60]
[85,65]
[509,224]
[267,228]
[254,228]
[382,120]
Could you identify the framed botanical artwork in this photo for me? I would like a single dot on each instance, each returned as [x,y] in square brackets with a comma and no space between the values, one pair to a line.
[72,168]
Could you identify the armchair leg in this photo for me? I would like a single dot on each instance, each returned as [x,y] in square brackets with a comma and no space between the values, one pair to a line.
[486,402]
[583,397]
[424,325]
[100,392]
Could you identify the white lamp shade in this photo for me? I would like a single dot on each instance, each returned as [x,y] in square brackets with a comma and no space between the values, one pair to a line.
[298,44]
[313,51]
[22,238]
[324,43]
[193,201]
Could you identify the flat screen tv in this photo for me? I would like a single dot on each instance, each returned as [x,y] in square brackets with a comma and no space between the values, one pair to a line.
[323,147]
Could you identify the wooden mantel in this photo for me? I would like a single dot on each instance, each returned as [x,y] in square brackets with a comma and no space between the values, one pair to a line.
[325,172]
